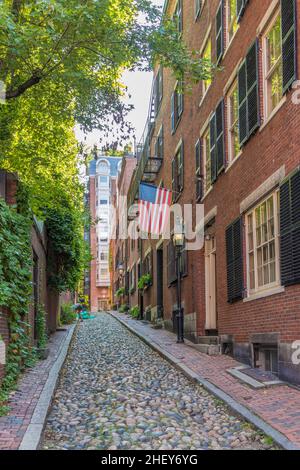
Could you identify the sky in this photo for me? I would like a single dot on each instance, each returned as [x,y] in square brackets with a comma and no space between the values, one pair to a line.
[139,87]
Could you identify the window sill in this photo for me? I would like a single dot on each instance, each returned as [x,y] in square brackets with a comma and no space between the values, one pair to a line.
[233,161]
[177,124]
[230,43]
[266,293]
[273,113]
[204,96]
[207,193]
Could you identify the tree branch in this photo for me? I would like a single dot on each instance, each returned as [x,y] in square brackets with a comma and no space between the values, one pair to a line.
[33,80]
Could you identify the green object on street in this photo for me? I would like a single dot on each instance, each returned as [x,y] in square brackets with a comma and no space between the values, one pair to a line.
[85,315]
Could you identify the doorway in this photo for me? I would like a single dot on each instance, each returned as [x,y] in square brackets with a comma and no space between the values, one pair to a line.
[210,284]
[159,282]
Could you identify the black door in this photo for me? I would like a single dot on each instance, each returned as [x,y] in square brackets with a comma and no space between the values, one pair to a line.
[159,283]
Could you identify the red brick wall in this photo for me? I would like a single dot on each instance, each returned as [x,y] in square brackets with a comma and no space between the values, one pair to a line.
[275,145]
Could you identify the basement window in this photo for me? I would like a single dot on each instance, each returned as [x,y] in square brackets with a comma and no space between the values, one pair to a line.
[266,358]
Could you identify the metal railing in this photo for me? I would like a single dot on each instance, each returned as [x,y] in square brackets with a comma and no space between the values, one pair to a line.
[142,152]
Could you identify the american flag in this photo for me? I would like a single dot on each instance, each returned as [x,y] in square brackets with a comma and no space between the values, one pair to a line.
[154,208]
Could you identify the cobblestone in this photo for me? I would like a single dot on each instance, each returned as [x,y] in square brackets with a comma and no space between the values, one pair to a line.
[117,393]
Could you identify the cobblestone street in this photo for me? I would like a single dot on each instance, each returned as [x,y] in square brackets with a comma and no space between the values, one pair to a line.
[116,393]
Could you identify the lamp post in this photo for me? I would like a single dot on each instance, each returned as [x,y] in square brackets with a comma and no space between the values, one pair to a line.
[178,240]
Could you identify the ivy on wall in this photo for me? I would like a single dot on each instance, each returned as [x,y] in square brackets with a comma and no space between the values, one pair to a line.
[68,252]
[16,287]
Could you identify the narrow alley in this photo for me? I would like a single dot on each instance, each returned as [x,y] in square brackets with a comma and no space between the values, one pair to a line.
[116,393]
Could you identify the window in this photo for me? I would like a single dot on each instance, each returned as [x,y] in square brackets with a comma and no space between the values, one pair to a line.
[234,258]
[172,263]
[199,175]
[197,8]
[217,147]
[241,6]
[178,17]
[104,272]
[178,172]
[103,180]
[159,144]
[104,256]
[176,105]
[132,280]
[158,90]
[147,264]
[262,226]
[273,65]
[103,202]
[207,56]
[233,122]
[207,162]
[232,21]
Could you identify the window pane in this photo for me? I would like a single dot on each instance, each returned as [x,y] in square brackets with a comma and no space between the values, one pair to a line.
[274,64]
[207,57]
[232,18]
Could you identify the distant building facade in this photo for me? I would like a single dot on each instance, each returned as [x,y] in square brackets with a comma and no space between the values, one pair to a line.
[101,187]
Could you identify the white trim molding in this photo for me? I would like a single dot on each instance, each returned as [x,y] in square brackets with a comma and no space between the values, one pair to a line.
[271,183]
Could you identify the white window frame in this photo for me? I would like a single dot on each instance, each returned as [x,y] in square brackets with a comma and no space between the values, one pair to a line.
[268,113]
[205,90]
[277,283]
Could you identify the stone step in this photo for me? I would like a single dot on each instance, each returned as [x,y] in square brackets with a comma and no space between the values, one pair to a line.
[208,340]
[209,349]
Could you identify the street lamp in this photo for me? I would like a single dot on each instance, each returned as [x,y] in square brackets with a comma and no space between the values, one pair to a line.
[178,240]
[121,269]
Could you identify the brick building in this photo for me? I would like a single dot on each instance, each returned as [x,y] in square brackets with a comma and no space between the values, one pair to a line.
[231,144]
[41,294]
[101,188]
[121,253]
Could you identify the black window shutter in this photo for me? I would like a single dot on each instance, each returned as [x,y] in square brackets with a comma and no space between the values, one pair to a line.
[249,113]
[252,89]
[199,175]
[240,8]
[234,254]
[173,112]
[160,84]
[288,27]
[220,147]
[290,230]
[174,189]
[181,167]
[220,31]
[172,276]
[184,262]
[242,86]
[213,151]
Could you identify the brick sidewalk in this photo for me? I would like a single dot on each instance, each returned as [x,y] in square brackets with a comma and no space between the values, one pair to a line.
[278,406]
[23,401]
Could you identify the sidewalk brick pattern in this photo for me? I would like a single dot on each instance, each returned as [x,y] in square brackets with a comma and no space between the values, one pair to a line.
[23,401]
[279,406]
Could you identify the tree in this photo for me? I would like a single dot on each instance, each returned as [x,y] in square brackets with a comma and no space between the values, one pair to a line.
[83,47]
